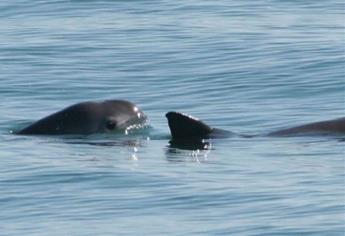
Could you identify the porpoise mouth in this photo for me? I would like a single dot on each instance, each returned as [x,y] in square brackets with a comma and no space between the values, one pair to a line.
[140,122]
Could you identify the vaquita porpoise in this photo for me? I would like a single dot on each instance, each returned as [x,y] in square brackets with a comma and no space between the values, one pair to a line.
[185,127]
[111,115]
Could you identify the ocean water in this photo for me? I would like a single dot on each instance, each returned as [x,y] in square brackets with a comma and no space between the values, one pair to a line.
[246,66]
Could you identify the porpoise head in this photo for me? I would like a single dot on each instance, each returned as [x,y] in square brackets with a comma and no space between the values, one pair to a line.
[121,115]
[89,118]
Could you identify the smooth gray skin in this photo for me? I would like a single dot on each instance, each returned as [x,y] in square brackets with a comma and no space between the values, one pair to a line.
[328,127]
[89,118]
[184,127]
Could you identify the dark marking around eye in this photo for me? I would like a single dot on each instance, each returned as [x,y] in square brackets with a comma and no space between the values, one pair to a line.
[111,125]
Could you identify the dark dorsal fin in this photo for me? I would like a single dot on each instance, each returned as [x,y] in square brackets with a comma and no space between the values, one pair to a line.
[183,126]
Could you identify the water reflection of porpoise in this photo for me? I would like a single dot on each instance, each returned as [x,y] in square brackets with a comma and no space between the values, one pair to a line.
[185,127]
[89,118]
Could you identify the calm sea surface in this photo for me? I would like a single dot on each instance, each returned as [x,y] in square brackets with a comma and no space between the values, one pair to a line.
[246,66]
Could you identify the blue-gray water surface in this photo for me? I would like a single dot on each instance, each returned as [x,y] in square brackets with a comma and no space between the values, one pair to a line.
[246,66]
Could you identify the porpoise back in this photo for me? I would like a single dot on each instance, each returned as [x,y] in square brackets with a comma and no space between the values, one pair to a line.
[186,127]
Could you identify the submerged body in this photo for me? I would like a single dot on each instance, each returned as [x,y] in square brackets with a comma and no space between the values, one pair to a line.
[89,118]
[335,126]
[185,127]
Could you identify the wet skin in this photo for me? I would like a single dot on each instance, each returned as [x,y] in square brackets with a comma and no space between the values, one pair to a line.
[185,127]
[89,118]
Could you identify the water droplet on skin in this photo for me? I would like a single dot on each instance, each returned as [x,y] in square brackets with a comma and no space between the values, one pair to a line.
[134,157]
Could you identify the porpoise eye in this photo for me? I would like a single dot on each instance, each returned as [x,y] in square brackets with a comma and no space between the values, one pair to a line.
[111,125]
